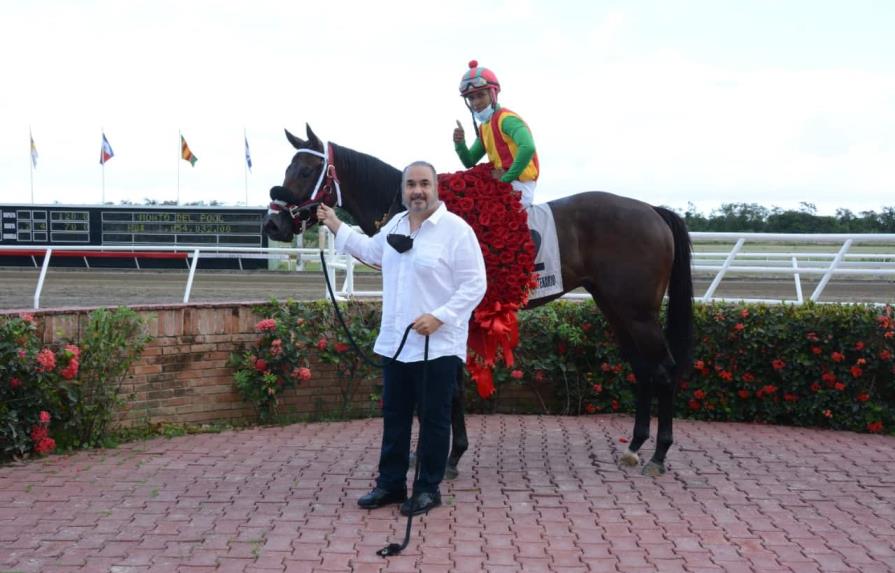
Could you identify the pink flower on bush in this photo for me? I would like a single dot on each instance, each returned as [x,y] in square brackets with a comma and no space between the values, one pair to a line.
[73,350]
[728,375]
[605,367]
[303,373]
[859,345]
[260,364]
[266,325]
[812,336]
[744,313]
[839,386]
[539,376]
[47,360]
[739,326]
[27,317]
[816,350]
[837,357]
[885,355]
[340,347]
[875,427]
[44,417]
[699,394]
[590,408]
[15,383]
[828,377]
[276,347]
[71,371]
[856,371]
[631,378]
[748,377]
[517,374]
[322,344]
[598,388]
[778,364]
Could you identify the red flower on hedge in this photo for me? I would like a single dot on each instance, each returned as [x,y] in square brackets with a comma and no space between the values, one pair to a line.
[14,383]
[837,357]
[875,427]
[839,386]
[739,326]
[885,355]
[694,405]
[699,394]
[863,397]
[70,371]
[828,377]
[744,394]
[778,364]
[816,350]
[815,387]
[856,371]
[859,345]
[790,397]
[812,336]
[727,376]
[614,405]
[744,313]
[322,344]
[266,325]
[340,347]
[47,360]
[539,376]
[590,408]
[260,364]
[598,388]
[748,377]
[303,373]
[517,374]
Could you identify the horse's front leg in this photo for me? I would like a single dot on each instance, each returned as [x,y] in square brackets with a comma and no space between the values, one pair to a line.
[459,439]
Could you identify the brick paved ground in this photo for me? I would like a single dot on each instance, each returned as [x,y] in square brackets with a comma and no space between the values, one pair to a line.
[535,494]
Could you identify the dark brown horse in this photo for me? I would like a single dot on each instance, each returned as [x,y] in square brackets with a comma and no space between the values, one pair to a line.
[625,253]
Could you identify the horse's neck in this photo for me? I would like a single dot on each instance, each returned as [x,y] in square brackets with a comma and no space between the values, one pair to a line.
[368,187]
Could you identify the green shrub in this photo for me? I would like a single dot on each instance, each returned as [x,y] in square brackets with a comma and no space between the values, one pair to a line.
[64,393]
[292,335]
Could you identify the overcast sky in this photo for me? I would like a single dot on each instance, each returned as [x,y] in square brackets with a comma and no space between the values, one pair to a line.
[705,101]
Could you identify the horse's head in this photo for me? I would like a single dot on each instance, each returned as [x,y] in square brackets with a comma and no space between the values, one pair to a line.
[295,201]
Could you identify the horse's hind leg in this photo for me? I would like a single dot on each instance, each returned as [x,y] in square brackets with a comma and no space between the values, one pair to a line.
[459,441]
[664,436]
[641,413]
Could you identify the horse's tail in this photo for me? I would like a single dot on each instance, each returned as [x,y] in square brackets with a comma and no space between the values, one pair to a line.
[679,314]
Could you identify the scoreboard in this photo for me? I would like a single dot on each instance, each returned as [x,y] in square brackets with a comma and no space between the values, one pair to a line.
[127,225]
[45,225]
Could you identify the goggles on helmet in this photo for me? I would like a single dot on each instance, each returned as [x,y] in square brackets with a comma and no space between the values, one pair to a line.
[473,84]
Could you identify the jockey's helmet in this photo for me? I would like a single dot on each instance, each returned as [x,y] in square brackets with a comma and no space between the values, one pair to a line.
[477,79]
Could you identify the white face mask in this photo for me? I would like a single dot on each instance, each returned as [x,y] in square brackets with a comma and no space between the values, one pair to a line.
[484,115]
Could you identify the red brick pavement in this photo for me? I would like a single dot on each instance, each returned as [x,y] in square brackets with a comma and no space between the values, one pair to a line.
[535,494]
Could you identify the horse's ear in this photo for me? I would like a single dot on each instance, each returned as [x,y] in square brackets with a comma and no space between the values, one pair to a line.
[296,142]
[312,138]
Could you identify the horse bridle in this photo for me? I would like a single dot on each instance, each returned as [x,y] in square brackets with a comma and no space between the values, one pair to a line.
[327,187]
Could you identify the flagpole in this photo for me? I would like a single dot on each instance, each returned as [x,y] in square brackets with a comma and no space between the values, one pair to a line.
[245,166]
[102,162]
[31,160]
[178,165]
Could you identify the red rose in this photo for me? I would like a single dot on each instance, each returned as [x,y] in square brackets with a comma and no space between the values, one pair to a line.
[778,364]
[744,394]
[694,404]
[863,397]
[340,347]
[517,374]
[875,427]
[322,344]
[260,364]
[837,357]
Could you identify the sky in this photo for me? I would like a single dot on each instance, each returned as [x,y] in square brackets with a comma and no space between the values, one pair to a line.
[702,102]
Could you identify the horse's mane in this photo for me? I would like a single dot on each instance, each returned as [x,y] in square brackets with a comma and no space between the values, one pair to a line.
[375,186]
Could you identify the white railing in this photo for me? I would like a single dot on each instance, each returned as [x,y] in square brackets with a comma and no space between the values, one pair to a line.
[718,262]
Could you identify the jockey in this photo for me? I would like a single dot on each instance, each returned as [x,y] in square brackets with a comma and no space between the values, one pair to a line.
[503,135]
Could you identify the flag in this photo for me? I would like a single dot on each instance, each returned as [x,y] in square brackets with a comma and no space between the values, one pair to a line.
[248,155]
[105,152]
[186,154]
[33,151]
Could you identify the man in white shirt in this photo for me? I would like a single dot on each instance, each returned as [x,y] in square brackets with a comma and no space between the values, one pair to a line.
[433,275]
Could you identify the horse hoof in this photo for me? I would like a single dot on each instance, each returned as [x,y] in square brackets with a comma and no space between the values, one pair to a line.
[630,458]
[653,469]
[451,473]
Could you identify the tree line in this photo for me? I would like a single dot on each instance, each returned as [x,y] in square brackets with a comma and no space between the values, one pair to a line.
[753,218]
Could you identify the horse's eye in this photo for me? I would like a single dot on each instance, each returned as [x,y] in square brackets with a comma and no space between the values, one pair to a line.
[305,172]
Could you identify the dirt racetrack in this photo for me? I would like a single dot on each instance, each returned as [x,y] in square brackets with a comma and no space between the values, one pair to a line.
[102,287]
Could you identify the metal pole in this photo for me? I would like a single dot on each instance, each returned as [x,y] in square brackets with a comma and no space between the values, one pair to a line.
[189,282]
[40,280]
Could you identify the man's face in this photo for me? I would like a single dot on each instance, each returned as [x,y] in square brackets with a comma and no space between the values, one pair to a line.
[479,100]
[420,193]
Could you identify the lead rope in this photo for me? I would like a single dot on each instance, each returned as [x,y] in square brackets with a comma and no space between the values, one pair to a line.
[391,548]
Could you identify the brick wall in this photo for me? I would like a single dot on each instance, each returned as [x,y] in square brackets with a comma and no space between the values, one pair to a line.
[182,376]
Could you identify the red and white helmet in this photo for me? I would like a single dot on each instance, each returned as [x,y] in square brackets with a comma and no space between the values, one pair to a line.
[477,79]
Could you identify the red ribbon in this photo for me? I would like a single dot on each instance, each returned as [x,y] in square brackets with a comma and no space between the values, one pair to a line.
[489,330]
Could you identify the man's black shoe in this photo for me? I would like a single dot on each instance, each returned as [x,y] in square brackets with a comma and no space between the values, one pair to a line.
[421,503]
[380,497]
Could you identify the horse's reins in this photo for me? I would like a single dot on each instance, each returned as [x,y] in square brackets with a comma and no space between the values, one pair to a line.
[391,548]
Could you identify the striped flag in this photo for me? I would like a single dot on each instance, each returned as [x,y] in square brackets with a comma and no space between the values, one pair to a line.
[248,155]
[186,154]
[105,152]
[33,151]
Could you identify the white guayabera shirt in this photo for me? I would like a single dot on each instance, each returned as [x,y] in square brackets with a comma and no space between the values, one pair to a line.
[443,275]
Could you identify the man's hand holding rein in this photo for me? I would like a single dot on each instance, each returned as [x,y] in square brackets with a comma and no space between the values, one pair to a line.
[328,217]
